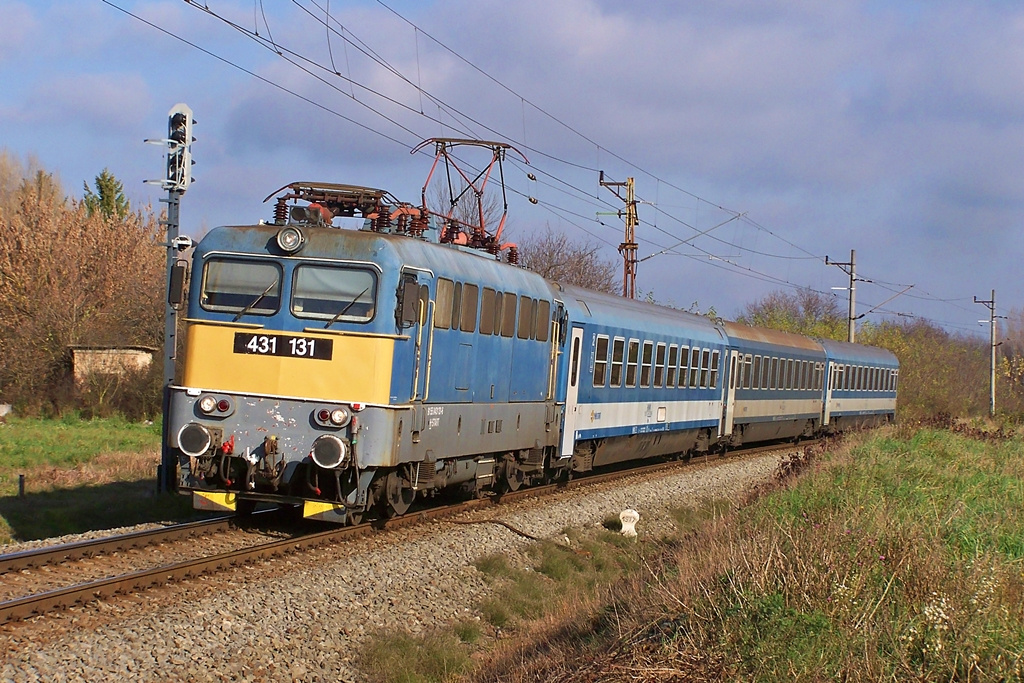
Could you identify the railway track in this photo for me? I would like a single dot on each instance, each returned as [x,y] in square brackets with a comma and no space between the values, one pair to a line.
[40,603]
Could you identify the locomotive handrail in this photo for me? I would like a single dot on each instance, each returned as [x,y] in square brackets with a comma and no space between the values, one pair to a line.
[355,333]
[225,323]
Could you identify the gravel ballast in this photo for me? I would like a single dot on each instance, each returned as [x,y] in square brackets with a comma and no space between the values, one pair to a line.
[305,616]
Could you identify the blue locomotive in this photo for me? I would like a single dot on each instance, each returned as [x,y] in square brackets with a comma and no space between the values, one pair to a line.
[352,371]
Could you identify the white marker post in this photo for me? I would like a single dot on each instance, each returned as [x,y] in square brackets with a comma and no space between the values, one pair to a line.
[628,519]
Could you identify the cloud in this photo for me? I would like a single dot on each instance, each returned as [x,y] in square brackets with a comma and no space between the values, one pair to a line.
[19,22]
[91,102]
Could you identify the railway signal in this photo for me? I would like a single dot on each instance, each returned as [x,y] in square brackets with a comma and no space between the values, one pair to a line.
[179,153]
[176,181]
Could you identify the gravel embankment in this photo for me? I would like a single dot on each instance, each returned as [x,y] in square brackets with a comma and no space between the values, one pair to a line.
[305,616]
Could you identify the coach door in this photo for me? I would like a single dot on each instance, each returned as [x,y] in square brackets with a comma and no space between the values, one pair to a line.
[572,392]
[730,394]
[829,386]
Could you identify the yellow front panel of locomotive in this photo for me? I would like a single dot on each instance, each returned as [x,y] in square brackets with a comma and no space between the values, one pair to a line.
[359,369]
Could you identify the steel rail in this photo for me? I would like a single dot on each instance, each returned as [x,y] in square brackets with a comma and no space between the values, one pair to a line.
[40,603]
[40,557]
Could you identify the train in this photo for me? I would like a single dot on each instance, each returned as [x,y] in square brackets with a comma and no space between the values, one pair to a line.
[349,372]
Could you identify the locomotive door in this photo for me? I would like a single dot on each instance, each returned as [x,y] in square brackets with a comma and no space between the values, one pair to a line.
[729,414]
[417,310]
[572,392]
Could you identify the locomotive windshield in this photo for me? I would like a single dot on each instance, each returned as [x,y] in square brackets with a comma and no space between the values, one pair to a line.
[334,293]
[241,286]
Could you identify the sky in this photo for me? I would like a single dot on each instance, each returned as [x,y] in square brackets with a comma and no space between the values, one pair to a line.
[806,129]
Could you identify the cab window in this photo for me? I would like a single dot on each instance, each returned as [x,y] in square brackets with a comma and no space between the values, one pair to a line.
[333,293]
[241,286]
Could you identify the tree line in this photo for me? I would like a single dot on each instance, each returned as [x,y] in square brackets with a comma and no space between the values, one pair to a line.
[90,272]
[75,272]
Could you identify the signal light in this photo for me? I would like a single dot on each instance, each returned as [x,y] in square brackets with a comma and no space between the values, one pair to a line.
[179,153]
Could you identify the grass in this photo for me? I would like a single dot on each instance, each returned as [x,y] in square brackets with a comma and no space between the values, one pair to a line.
[898,556]
[80,475]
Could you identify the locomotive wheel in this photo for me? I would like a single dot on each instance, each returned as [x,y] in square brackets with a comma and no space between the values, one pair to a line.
[354,517]
[398,494]
[512,475]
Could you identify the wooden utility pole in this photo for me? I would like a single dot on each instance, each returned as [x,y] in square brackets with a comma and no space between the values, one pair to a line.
[628,246]
[852,272]
[991,305]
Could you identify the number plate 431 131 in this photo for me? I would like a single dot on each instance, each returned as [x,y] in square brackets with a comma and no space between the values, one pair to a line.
[283,345]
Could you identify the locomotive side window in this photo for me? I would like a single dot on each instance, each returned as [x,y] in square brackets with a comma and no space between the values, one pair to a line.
[487,306]
[239,286]
[617,352]
[469,303]
[645,367]
[456,305]
[332,293]
[694,367]
[543,320]
[508,315]
[526,312]
[443,307]
[713,380]
[601,361]
[659,366]
[673,360]
[632,361]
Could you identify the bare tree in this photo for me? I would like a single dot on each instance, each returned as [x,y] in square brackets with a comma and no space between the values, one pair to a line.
[68,278]
[556,257]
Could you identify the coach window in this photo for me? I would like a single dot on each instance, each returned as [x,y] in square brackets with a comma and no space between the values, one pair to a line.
[755,380]
[632,361]
[673,361]
[601,361]
[241,287]
[526,313]
[705,364]
[748,371]
[331,293]
[508,315]
[443,307]
[659,366]
[469,303]
[684,366]
[618,346]
[543,320]
[714,368]
[694,367]
[645,367]
[487,310]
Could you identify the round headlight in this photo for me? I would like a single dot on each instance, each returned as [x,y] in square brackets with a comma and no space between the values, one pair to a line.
[290,239]
[340,417]
[329,451]
[207,404]
[194,439]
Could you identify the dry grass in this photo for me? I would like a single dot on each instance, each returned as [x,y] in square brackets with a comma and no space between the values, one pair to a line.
[891,559]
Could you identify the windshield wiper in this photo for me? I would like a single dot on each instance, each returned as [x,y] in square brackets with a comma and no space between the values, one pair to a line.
[252,304]
[343,311]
